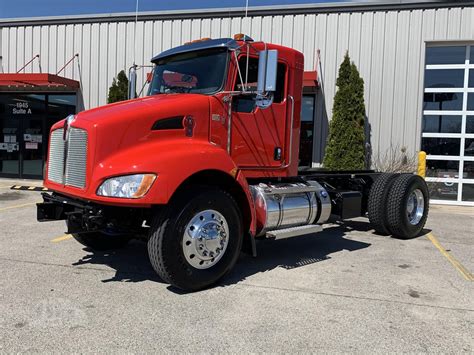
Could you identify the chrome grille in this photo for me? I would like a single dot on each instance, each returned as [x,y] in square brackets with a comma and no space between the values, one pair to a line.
[76,161]
[56,157]
[71,169]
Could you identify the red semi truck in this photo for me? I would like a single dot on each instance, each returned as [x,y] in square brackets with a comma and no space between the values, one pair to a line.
[207,163]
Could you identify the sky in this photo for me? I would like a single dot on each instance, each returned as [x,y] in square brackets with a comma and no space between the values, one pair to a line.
[34,8]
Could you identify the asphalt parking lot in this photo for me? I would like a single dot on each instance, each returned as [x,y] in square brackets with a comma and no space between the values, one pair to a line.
[342,290]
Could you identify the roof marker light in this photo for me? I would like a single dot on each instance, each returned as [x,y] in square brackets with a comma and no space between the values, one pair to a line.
[242,37]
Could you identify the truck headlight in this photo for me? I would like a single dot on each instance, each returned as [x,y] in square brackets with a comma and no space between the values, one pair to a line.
[127,186]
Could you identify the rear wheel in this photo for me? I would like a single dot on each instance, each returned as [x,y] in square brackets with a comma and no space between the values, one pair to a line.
[408,204]
[377,204]
[101,241]
[197,239]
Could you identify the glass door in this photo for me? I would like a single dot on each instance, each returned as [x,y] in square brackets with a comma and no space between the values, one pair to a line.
[32,140]
[10,134]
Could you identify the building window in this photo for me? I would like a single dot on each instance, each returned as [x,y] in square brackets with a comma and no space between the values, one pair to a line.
[448,123]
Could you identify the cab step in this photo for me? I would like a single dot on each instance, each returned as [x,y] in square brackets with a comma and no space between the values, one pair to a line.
[294,231]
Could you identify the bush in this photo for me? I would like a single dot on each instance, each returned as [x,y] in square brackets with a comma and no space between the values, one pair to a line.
[345,149]
[119,89]
[395,160]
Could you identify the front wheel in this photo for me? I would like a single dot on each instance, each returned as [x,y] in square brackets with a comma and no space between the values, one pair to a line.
[197,239]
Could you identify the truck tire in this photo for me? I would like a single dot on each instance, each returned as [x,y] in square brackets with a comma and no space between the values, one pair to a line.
[101,241]
[196,239]
[377,203]
[408,205]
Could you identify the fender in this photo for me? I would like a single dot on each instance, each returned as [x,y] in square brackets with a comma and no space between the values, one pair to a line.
[173,161]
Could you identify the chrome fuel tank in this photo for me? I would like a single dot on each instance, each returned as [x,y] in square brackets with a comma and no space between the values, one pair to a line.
[280,206]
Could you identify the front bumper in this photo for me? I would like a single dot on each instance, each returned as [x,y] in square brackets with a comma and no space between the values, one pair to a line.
[85,217]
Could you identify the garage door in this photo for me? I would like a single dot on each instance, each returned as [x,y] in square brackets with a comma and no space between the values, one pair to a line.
[448,123]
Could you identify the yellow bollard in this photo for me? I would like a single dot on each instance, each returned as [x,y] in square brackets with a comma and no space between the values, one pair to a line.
[422,164]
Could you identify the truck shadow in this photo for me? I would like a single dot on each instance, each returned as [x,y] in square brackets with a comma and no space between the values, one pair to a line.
[131,263]
[297,252]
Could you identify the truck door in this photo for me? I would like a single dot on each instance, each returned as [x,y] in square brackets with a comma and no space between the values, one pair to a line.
[258,135]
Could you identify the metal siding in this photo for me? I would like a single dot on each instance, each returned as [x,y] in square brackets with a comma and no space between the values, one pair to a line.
[167,33]
[355,36]
[158,36]
[454,25]
[206,28]
[322,104]
[467,23]
[256,32]
[86,64]
[246,25]
[95,59]
[20,47]
[235,26]
[331,63]
[28,48]
[120,54]
[12,51]
[112,69]
[412,111]
[102,76]
[36,47]
[225,27]
[266,29]
[399,86]
[77,66]
[387,46]
[60,49]
[176,33]
[147,49]
[342,37]
[52,49]
[3,48]
[441,23]
[308,43]
[186,31]
[375,85]
[69,52]
[390,62]
[44,47]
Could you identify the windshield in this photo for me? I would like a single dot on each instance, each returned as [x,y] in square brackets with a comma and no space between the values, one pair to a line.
[200,72]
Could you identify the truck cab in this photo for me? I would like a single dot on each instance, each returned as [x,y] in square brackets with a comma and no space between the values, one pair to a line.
[206,163]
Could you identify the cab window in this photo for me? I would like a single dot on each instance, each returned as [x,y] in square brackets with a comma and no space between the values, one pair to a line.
[246,103]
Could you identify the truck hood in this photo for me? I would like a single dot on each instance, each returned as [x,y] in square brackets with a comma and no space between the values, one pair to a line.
[139,109]
[113,128]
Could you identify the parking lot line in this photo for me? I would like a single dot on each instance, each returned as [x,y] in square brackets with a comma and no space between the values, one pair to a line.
[17,206]
[459,267]
[61,238]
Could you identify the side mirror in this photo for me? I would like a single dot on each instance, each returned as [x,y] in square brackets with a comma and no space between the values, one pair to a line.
[267,71]
[132,83]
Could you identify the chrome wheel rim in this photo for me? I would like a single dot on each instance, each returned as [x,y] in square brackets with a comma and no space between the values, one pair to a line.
[415,206]
[205,239]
